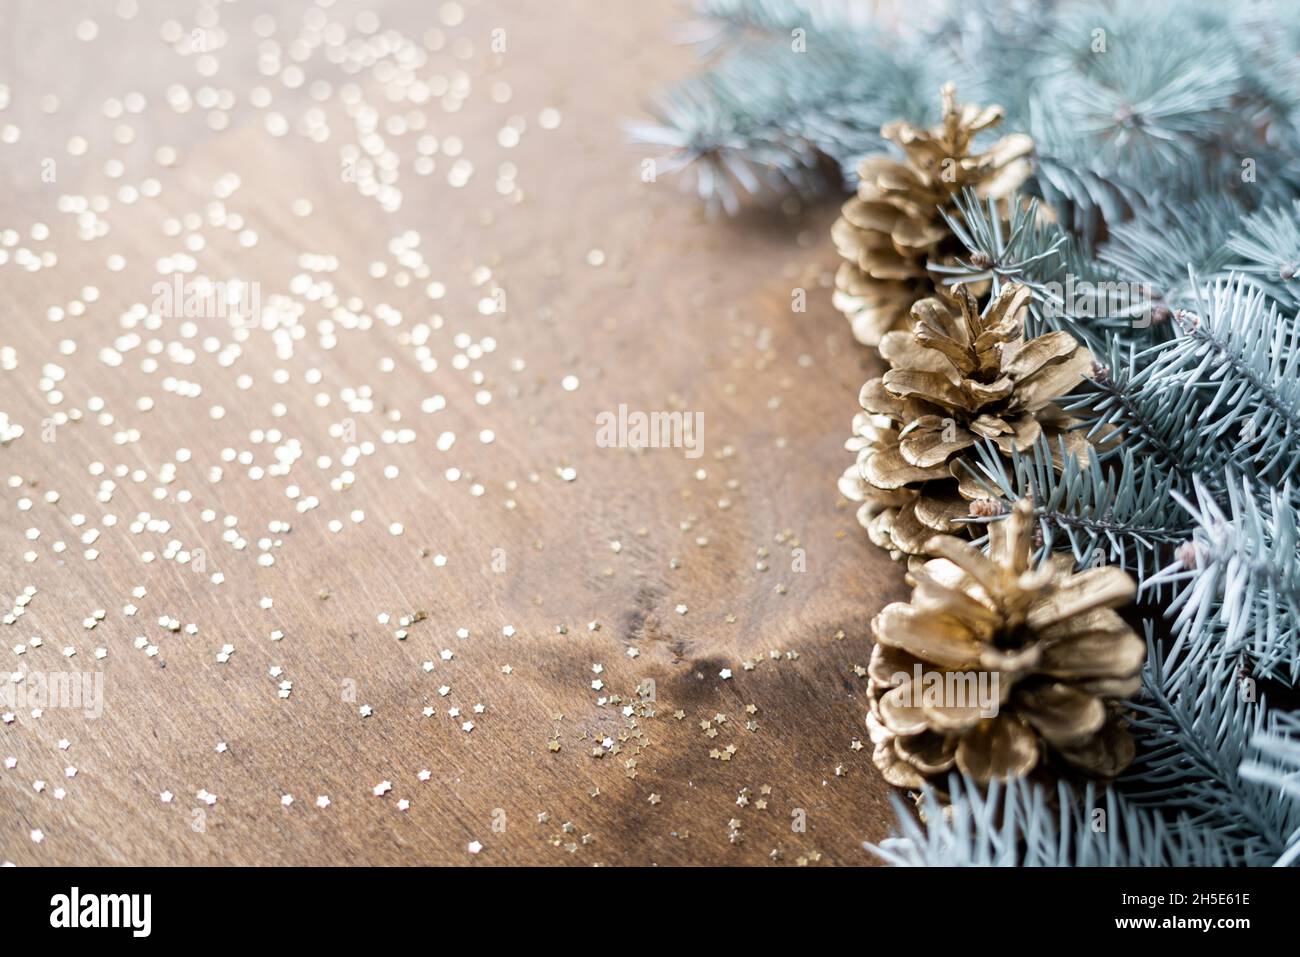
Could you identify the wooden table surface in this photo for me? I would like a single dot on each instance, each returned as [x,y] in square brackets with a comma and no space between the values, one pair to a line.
[556,583]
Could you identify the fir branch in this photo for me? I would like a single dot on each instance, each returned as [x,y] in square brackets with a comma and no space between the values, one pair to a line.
[1197,724]
[1119,125]
[1021,824]
[1269,244]
[1158,246]
[1128,405]
[1087,197]
[1122,515]
[1026,247]
[1248,359]
[1152,108]
[1276,764]
[1242,573]
[765,118]
[1070,178]
[999,249]
[725,22]
[1225,389]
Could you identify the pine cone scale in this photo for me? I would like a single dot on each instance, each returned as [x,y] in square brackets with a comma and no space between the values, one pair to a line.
[934,637]
[996,749]
[1082,593]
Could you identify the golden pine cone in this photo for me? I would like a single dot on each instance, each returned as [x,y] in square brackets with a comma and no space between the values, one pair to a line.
[889,230]
[958,378]
[1046,656]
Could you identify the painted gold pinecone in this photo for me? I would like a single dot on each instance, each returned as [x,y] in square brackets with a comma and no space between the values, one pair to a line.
[957,379]
[1062,658]
[893,226]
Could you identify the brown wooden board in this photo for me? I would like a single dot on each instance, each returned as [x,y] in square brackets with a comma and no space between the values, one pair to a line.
[623,284]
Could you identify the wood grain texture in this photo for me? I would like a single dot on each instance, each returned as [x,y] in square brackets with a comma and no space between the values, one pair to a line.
[682,314]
